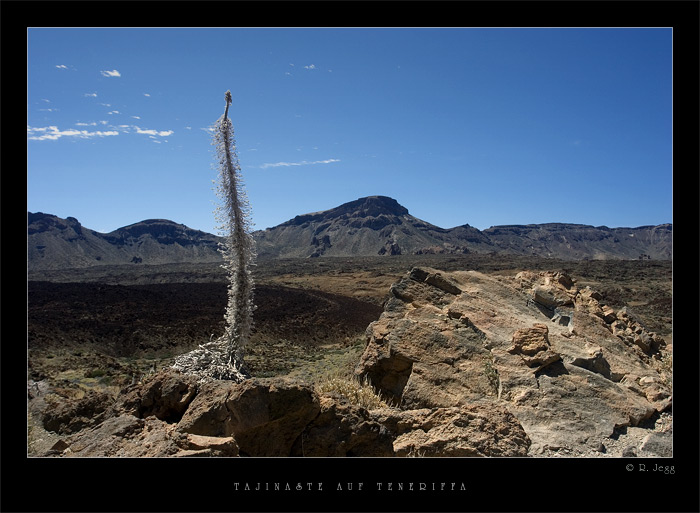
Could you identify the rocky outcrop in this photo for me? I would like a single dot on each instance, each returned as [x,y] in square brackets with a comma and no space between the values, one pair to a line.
[342,429]
[467,431]
[532,344]
[165,396]
[569,369]
[171,415]
[265,417]
[72,416]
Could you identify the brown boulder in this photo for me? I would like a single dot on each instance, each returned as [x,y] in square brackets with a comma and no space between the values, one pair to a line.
[532,344]
[265,417]
[474,430]
[165,395]
[342,429]
[420,354]
[72,415]
[129,436]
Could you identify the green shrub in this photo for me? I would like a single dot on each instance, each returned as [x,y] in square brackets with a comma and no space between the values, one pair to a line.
[95,373]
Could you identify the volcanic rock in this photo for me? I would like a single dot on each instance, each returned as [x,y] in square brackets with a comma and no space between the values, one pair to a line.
[72,415]
[166,395]
[533,346]
[466,431]
[568,384]
[342,429]
[265,417]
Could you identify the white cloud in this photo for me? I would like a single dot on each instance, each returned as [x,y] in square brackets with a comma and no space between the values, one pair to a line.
[113,73]
[114,112]
[86,124]
[90,95]
[146,94]
[302,163]
[136,117]
[161,133]
[311,66]
[61,66]
[53,133]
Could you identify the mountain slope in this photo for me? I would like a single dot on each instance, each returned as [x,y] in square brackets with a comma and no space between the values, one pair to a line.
[371,226]
[375,225]
[55,243]
[577,241]
[378,225]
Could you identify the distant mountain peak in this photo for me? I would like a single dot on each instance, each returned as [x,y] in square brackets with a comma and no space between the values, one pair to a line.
[369,206]
[374,206]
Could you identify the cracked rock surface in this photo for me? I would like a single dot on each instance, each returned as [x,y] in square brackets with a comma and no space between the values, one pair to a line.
[578,376]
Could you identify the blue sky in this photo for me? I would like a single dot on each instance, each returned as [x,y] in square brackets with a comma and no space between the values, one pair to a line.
[479,126]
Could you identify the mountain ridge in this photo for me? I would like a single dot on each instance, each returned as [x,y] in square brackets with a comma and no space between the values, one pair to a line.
[368,226]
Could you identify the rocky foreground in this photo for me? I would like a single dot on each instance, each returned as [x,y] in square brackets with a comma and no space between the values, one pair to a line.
[472,365]
[580,378]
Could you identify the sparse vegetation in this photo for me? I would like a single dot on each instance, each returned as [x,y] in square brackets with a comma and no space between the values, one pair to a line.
[95,373]
[359,392]
[492,375]
[667,368]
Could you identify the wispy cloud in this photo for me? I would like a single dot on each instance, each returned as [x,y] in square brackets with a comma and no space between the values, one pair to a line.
[310,66]
[161,133]
[90,95]
[61,66]
[52,133]
[113,73]
[146,94]
[302,163]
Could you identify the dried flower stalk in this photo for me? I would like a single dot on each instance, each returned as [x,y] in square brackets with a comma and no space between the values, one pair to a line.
[223,357]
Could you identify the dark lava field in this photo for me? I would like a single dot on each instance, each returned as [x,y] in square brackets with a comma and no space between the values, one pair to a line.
[105,326]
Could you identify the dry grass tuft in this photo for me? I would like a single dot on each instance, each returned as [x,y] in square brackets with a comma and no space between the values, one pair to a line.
[357,392]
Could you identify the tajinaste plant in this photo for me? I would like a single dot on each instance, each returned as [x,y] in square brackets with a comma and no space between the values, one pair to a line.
[223,358]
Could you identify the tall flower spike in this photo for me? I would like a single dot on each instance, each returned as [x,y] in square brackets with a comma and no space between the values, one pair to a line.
[239,251]
[223,358]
